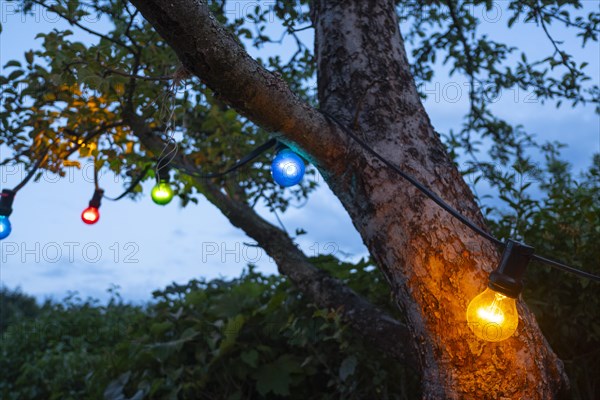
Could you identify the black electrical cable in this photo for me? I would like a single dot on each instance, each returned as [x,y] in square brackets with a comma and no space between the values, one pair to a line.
[438,200]
[31,173]
[132,186]
[565,268]
[243,161]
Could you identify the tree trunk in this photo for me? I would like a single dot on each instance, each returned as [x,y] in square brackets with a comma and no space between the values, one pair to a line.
[434,265]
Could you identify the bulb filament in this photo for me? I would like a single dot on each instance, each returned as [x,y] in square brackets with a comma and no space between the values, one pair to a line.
[492,313]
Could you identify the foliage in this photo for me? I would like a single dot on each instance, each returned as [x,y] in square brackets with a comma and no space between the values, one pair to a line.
[64,351]
[453,33]
[76,97]
[251,337]
[14,306]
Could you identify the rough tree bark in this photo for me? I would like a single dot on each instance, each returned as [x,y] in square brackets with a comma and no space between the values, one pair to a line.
[434,264]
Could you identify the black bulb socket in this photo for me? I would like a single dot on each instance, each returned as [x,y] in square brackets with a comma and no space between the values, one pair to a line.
[163,170]
[280,146]
[97,198]
[6,200]
[507,279]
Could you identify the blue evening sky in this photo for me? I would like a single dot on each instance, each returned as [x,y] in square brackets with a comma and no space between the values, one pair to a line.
[142,247]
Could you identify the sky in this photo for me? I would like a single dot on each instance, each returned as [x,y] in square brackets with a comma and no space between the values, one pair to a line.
[141,247]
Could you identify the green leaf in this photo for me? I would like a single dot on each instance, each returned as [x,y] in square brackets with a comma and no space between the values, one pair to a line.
[250,357]
[160,328]
[29,56]
[12,63]
[277,376]
[231,331]
[15,74]
[348,367]
[162,351]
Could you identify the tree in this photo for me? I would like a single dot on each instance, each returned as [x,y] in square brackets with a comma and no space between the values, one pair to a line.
[106,94]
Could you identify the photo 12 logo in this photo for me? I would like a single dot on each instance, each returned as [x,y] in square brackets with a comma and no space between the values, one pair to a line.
[250,253]
[43,13]
[54,252]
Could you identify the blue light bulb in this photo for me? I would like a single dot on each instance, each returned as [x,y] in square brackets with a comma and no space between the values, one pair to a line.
[287,168]
[5,227]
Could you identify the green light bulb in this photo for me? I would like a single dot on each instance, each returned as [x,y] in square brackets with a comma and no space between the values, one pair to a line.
[162,193]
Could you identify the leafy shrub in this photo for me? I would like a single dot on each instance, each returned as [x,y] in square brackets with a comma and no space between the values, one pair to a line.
[251,337]
[64,352]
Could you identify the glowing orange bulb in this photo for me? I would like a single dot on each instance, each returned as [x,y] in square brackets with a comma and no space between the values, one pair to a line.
[492,316]
[90,215]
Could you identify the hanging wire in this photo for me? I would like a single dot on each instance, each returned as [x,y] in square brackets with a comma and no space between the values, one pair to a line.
[33,170]
[131,187]
[565,267]
[95,160]
[242,161]
[167,113]
[438,200]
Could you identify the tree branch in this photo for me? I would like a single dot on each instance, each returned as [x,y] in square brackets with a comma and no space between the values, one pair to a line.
[207,50]
[369,321]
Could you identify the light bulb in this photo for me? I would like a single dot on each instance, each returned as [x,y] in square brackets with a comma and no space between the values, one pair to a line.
[90,215]
[162,193]
[5,227]
[492,316]
[287,168]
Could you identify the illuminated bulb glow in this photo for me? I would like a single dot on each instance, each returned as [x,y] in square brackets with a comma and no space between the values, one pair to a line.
[162,193]
[491,313]
[287,168]
[90,215]
[5,227]
[492,316]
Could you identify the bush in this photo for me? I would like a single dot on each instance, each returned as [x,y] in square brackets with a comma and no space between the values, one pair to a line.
[65,352]
[251,337]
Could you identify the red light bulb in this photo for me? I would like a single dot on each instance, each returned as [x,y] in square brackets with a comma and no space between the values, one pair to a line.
[90,215]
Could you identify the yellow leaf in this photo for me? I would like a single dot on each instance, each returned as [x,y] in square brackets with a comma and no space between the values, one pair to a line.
[69,163]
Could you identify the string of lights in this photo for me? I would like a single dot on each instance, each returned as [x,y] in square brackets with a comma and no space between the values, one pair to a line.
[492,315]
[287,169]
